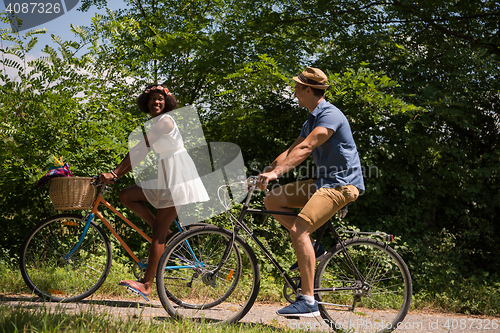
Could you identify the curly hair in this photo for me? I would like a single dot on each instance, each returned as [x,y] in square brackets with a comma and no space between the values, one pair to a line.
[170,101]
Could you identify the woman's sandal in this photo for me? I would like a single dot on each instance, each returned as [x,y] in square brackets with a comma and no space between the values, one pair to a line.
[133,289]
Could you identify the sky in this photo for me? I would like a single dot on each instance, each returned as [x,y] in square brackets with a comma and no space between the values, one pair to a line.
[60,26]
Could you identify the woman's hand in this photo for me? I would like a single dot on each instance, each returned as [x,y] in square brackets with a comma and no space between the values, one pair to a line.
[107,177]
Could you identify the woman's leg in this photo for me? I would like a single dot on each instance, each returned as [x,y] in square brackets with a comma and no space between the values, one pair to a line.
[164,219]
[134,199]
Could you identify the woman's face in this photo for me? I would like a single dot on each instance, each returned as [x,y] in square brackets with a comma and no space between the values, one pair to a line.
[156,103]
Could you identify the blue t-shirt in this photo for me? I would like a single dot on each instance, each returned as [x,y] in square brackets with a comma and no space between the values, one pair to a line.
[337,159]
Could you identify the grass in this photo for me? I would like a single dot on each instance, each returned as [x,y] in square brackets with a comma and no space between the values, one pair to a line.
[470,297]
[12,282]
[23,318]
[43,320]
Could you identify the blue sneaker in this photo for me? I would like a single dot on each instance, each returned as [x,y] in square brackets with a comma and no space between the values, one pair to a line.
[300,308]
[320,254]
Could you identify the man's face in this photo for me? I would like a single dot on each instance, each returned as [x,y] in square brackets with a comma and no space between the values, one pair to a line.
[301,93]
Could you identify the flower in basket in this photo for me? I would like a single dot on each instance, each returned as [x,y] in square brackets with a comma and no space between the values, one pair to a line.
[57,169]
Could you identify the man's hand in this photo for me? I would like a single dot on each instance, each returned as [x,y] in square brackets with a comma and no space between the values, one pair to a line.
[264,179]
[342,212]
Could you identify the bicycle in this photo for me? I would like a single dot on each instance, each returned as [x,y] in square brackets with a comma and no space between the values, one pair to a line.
[67,257]
[355,280]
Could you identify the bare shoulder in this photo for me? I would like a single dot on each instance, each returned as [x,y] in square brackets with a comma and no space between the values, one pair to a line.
[166,123]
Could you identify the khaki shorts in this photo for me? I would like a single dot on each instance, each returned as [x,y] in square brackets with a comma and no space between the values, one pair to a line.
[318,206]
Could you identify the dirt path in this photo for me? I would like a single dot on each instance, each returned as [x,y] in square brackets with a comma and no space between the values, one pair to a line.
[265,314]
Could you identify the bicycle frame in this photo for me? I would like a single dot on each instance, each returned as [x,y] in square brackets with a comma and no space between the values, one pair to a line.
[99,199]
[94,211]
[282,271]
[241,225]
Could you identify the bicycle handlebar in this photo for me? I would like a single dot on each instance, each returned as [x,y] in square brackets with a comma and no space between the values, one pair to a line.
[253,180]
[97,181]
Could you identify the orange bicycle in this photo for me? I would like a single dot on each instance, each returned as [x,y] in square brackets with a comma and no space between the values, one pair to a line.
[67,257]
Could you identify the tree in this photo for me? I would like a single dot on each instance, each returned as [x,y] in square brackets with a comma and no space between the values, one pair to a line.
[61,105]
[418,81]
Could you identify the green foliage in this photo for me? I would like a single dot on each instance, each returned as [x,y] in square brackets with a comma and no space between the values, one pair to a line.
[77,108]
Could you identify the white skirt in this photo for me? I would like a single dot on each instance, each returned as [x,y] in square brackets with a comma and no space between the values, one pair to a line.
[178,182]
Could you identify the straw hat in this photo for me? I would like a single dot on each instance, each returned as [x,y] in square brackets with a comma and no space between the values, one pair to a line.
[313,77]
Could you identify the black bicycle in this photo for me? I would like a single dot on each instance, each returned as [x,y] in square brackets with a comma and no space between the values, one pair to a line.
[212,274]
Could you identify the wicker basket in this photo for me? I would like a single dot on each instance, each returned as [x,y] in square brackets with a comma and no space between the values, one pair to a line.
[72,193]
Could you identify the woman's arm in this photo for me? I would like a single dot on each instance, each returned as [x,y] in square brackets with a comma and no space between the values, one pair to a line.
[139,151]
[122,169]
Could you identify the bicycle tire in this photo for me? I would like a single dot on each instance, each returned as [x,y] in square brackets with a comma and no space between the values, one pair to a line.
[177,301]
[188,227]
[187,292]
[381,305]
[234,277]
[52,276]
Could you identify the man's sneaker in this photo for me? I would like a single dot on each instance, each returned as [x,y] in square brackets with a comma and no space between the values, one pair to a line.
[300,308]
[320,254]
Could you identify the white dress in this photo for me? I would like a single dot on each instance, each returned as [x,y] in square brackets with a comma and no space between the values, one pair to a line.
[178,182]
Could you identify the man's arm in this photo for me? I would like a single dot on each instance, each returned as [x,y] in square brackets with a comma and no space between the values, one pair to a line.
[283,155]
[295,155]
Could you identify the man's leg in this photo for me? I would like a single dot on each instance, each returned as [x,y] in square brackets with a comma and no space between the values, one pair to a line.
[292,195]
[300,232]
[305,305]
[277,201]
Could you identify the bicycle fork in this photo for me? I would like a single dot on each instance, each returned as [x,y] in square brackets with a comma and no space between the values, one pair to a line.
[82,237]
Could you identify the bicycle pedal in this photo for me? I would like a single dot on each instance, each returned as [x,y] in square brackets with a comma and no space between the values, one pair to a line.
[134,291]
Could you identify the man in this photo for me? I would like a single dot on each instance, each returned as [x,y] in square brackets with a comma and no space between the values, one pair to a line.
[326,135]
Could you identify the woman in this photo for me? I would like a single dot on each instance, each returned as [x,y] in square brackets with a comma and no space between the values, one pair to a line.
[177,180]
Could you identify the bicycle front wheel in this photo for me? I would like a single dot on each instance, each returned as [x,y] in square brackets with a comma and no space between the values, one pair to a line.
[375,300]
[50,269]
[187,287]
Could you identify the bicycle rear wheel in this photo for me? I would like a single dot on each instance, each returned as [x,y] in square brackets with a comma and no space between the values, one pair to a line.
[379,305]
[49,270]
[185,284]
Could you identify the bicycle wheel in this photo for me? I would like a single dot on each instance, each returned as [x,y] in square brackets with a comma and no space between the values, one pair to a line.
[176,232]
[379,305]
[185,284]
[233,276]
[51,272]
